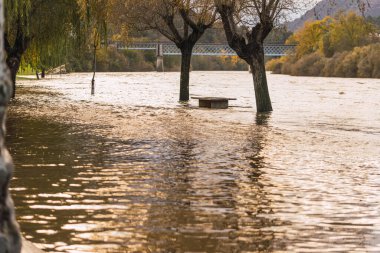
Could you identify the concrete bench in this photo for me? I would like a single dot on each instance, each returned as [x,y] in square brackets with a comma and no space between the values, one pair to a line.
[213,102]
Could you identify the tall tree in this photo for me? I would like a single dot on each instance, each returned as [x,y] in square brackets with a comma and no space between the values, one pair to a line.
[247,23]
[181,21]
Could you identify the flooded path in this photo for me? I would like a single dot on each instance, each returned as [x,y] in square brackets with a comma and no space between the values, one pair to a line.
[130,170]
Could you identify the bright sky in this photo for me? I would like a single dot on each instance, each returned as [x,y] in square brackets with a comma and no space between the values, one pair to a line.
[311,4]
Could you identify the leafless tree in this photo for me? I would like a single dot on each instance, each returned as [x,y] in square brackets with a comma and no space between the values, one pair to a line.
[247,23]
[181,21]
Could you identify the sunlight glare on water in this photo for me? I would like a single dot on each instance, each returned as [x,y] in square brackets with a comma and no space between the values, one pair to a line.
[130,170]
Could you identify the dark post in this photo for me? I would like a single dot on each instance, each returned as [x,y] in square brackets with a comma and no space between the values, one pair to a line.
[160,58]
[93,77]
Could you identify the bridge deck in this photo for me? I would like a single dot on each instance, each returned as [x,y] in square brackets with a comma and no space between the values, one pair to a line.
[206,49]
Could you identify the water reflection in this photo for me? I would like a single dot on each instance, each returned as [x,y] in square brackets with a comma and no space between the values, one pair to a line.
[173,179]
[164,195]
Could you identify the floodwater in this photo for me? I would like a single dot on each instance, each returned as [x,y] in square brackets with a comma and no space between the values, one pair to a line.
[131,170]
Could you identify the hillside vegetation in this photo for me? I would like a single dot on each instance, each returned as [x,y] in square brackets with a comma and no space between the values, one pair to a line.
[344,46]
[330,8]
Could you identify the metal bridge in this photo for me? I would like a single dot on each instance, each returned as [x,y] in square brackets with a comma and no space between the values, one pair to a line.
[274,50]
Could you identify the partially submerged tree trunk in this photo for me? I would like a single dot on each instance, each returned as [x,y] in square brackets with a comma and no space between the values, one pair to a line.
[263,101]
[93,76]
[186,53]
[186,46]
[10,238]
[181,21]
[250,48]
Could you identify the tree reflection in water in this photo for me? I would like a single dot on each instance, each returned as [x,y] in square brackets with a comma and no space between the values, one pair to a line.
[174,194]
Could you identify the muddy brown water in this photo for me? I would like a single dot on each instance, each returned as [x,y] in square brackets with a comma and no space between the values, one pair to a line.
[131,170]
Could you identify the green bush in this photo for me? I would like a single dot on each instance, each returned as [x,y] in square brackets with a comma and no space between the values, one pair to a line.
[276,65]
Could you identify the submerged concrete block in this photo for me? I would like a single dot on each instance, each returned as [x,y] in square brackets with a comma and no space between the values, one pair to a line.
[222,104]
[213,102]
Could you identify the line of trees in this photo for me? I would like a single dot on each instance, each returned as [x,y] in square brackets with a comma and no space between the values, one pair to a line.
[247,23]
[42,32]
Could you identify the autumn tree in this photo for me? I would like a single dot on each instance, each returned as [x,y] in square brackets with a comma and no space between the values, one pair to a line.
[313,36]
[181,21]
[351,30]
[341,33]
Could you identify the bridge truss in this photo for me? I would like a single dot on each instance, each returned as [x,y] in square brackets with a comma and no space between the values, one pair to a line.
[274,50]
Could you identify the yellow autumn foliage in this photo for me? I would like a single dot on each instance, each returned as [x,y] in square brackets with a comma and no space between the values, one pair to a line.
[344,46]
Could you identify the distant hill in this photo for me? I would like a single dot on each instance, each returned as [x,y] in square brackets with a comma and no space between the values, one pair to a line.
[326,8]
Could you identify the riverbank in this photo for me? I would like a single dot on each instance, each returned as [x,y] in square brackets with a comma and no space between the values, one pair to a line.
[131,170]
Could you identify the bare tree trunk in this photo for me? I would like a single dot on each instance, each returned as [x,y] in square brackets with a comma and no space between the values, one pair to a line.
[37,75]
[10,239]
[184,94]
[263,101]
[13,62]
[93,77]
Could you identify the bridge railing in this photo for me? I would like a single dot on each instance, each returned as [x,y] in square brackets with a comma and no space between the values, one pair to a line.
[205,49]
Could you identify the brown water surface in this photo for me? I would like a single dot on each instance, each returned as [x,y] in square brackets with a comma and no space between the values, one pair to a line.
[131,170]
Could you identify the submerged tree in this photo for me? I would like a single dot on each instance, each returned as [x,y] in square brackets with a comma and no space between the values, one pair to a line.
[181,21]
[247,23]
[95,14]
